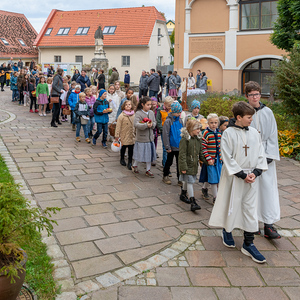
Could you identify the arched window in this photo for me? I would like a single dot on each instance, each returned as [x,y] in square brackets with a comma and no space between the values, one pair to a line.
[259,71]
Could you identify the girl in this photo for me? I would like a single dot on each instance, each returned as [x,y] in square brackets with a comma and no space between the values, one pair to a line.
[191,81]
[90,100]
[195,107]
[144,149]
[32,92]
[63,97]
[129,93]
[82,112]
[211,149]
[94,91]
[20,86]
[154,108]
[223,123]
[114,102]
[26,90]
[173,85]
[125,132]
[49,83]
[118,90]
[134,101]
[42,94]
[190,150]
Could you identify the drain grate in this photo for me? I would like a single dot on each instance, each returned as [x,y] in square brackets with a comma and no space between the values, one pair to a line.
[25,294]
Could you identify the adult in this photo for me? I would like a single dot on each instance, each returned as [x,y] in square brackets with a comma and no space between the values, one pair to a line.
[178,78]
[57,90]
[143,86]
[3,70]
[114,76]
[75,75]
[8,74]
[198,76]
[94,76]
[126,79]
[203,83]
[191,81]
[50,71]
[20,64]
[10,62]
[167,83]
[15,67]
[153,83]
[32,65]
[161,85]
[173,85]
[101,80]
[83,80]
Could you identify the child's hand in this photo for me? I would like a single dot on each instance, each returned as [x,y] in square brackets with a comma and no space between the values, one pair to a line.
[149,124]
[211,162]
[183,172]
[249,178]
[252,176]
[169,151]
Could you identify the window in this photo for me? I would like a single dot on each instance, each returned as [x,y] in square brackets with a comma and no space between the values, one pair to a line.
[57,58]
[48,32]
[159,60]
[63,31]
[125,61]
[159,36]
[82,30]
[5,42]
[109,29]
[79,58]
[257,14]
[22,43]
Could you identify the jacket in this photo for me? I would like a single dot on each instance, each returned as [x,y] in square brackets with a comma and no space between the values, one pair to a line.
[125,129]
[90,102]
[190,151]
[153,82]
[161,117]
[172,132]
[57,86]
[75,77]
[211,144]
[203,83]
[172,82]
[127,78]
[101,79]
[98,107]
[42,88]
[113,77]
[83,81]
[143,133]
[81,109]
[143,82]
[13,82]
[73,99]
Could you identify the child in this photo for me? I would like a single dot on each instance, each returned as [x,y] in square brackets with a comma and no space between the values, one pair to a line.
[49,83]
[134,100]
[144,149]
[268,198]
[190,150]
[72,101]
[82,112]
[20,87]
[14,86]
[171,137]
[162,113]
[126,79]
[90,100]
[125,132]
[211,149]
[154,108]
[42,94]
[129,93]
[114,102]
[63,97]
[195,107]
[32,91]
[237,200]
[26,90]
[118,90]
[94,91]
[223,123]
[101,111]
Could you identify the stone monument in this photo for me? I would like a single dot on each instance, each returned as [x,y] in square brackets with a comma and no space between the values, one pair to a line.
[100,61]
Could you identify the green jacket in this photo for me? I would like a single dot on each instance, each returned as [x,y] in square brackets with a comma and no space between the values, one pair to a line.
[190,151]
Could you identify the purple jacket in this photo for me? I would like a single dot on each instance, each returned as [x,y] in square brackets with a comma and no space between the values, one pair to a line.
[90,102]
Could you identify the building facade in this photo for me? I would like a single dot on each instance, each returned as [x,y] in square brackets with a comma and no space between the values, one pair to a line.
[227,39]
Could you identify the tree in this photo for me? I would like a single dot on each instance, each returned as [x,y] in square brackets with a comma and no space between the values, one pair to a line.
[287,25]
[172,40]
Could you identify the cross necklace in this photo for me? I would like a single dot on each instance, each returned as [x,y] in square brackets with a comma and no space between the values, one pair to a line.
[244,139]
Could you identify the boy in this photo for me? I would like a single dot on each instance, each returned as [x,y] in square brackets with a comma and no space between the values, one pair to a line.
[195,107]
[101,111]
[82,113]
[14,86]
[171,139]
[72,101]
[243,160]
[126,79]
[268,198]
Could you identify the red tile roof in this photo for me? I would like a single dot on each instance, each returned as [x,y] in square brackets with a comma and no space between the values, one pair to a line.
[15,26]
[134,26]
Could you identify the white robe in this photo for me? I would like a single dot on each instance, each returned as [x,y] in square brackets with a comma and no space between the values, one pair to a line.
[236,203]
[114,102]
[268,197]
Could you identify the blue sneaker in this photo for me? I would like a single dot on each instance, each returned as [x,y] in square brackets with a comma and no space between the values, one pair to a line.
[94,142]
[228,240]
[104,145]
[253,253]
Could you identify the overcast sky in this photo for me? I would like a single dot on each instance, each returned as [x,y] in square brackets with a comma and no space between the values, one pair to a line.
[37,11]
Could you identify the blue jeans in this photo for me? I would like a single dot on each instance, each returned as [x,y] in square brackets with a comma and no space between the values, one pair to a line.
[165,154]
[15,95]
[101,127]
[90,125]
[78,127]
[153,93]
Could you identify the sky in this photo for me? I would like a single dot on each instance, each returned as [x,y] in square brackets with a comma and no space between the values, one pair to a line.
[37,11]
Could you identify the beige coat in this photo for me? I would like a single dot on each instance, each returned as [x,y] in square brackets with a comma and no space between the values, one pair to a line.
[125,129]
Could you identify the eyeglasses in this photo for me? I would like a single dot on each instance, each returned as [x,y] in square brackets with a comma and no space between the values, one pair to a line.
[254,95]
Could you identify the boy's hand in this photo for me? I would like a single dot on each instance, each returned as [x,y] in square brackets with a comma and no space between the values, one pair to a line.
[183,172]
[211,162]
[252,176]
[169,151]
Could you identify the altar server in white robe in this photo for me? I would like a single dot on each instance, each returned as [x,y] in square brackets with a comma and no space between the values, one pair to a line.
[243,161]
[268,198]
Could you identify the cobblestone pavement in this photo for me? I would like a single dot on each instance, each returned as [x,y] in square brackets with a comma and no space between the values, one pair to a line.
[126,236]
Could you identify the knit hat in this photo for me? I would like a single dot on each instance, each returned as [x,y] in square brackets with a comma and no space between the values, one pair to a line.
[154,99]
[176,107]
[195,104]
[102,92]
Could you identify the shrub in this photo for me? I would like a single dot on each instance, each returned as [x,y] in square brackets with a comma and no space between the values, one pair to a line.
[289,143]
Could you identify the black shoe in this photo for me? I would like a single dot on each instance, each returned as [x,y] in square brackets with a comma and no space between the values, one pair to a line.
[183,197]
[129,165]
[53,125]
[205,193]
[271,233]
[194,205]
[59,123]
[122,162]
[257,232]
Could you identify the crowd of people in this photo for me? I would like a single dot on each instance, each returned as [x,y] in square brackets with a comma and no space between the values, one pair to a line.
[237,156]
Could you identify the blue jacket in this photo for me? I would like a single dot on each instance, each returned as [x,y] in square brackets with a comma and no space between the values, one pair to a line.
[83,81]
[98,107]
[172,132]
[73,99]
[127,78]
[13,82]
[15,68]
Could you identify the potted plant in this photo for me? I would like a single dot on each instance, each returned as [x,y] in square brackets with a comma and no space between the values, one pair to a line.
[19,222]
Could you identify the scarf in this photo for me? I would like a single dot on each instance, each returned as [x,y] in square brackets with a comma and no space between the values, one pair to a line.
[128,113]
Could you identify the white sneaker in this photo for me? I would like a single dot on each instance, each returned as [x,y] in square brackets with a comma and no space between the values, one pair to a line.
[40,115]
[45,115]
[24,104]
